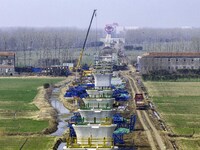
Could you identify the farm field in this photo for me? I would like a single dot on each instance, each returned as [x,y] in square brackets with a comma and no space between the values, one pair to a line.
[16,95]
[32,143]
[179,105]
[17,114]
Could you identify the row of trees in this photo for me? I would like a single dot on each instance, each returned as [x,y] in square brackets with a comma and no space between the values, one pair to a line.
[65,43]
[14,39]
[170,40]
[44,43]
[163,75]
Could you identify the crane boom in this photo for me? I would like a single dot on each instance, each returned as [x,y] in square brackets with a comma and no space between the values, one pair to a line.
[81,53]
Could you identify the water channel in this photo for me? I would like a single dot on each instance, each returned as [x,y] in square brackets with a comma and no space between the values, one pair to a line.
[63,115]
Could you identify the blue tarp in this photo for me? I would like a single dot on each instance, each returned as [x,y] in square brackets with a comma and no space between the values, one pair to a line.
[78,91]
[121,95]
[37,70]
[117,118]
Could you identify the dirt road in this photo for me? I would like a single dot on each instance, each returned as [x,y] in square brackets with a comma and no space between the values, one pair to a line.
[153,135]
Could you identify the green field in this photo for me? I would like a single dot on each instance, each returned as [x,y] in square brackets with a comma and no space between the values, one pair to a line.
[32,143]
[190,144]
[179,105]
[22,125]
[16,109]
[22,89]
[173,89]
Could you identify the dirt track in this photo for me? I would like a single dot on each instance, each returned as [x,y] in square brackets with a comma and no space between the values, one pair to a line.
[154,138]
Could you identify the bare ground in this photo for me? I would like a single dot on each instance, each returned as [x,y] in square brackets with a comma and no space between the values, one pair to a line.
[68,103]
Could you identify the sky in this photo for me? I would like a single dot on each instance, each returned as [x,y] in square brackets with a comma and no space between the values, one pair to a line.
[77,13]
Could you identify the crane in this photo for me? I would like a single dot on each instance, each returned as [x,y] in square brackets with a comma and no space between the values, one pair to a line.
[81,53]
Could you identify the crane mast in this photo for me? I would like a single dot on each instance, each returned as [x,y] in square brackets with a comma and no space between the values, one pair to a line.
[83,48]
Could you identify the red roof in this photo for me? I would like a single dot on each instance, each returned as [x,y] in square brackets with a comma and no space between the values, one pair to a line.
[7,66]
[173,54]
[7,54]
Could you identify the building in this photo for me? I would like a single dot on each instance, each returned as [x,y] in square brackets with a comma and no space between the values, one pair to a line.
[168,61]
[7,63]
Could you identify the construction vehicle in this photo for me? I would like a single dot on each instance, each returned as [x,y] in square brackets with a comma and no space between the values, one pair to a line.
[140,101]
[87,73]
[78,66]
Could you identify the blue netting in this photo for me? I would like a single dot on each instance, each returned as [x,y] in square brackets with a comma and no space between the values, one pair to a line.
[121,95]
[78,91]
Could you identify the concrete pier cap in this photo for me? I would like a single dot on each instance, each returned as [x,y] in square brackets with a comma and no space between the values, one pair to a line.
[96,132]
[98,114]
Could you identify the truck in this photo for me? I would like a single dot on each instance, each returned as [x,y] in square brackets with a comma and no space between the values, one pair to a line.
[140,101]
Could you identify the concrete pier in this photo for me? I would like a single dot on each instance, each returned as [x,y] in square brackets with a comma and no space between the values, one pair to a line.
[100,102]
[102,80]
[95,131]
[98,115]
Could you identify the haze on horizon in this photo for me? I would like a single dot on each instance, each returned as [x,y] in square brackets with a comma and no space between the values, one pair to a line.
[77,13]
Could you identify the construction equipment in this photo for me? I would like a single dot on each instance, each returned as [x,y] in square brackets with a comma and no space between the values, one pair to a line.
[140,102]
[87,73]
[81,53]
[123,127]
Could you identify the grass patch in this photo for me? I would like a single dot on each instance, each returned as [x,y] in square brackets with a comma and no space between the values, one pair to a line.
[33,143]
[22,125]
[17,106]
[16,95]
[181,113]
[159,89]
[189,144]
[184,124]
[22,89]
[179,105]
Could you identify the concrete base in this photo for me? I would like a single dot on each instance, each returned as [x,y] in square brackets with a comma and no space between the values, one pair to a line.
[99,114]
[94,131]
[114,148]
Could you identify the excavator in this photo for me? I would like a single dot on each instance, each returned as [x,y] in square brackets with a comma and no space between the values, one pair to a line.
[78,66]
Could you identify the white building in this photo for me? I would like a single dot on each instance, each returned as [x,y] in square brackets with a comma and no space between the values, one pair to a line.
[168,61]
[7,63]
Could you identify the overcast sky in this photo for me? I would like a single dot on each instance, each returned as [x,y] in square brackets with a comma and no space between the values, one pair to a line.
[77,13]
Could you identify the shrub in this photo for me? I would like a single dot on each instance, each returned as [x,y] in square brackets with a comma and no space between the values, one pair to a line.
[46,85]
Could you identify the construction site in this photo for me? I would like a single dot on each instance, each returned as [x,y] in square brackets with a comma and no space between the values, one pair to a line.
[110,109]
[99,90]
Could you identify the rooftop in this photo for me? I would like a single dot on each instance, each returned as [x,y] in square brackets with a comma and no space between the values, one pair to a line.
[7,54]
[7,66]
[172,54]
